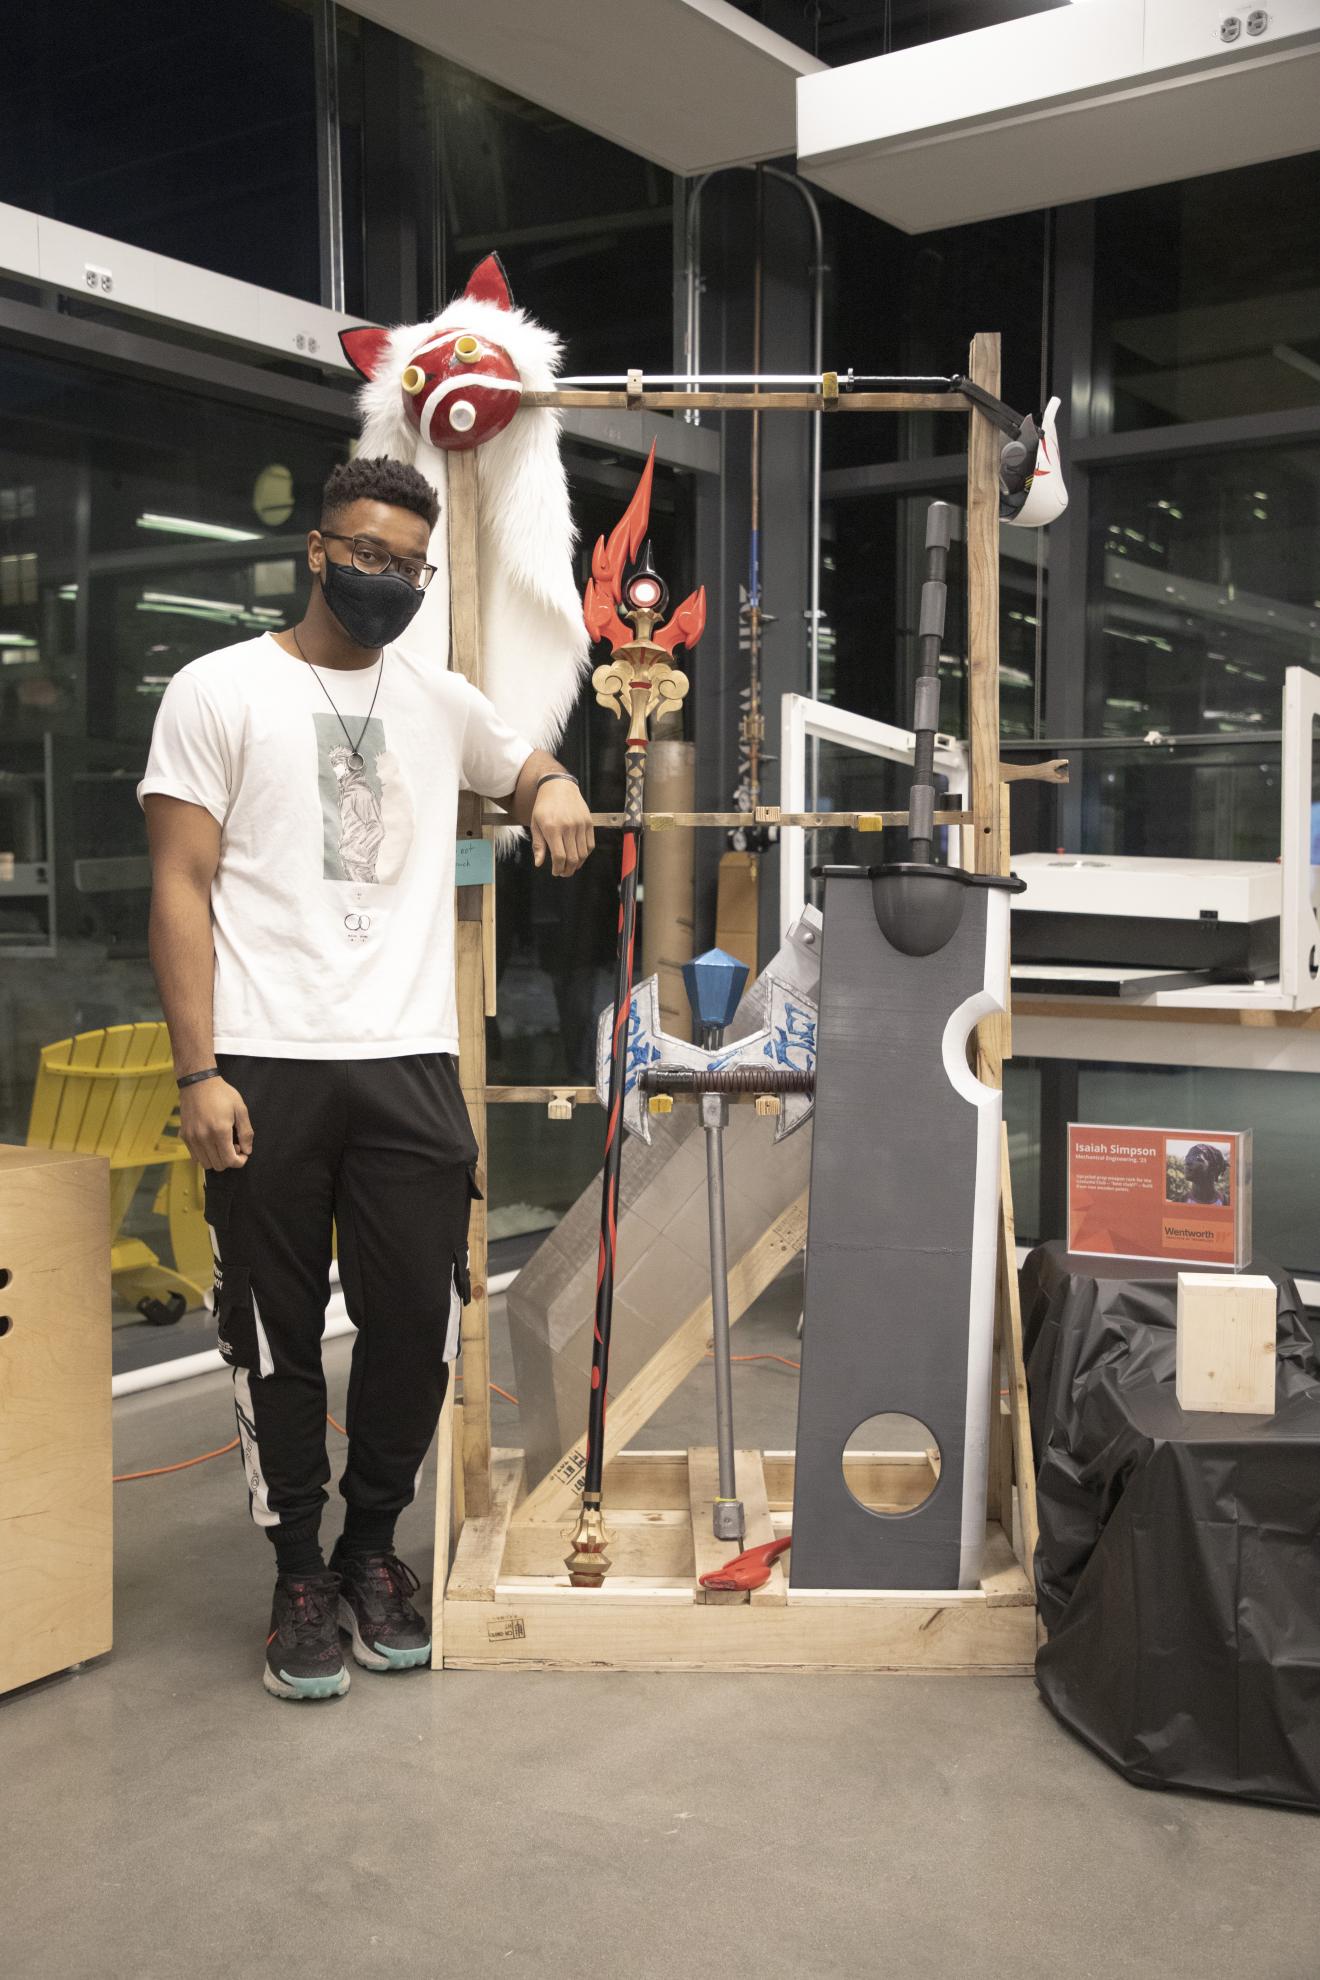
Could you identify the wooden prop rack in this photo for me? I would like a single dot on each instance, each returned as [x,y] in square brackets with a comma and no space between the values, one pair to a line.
[502,1597]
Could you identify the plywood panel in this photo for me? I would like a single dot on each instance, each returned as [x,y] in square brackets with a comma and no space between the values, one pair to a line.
[1227,1329]
[55,1457]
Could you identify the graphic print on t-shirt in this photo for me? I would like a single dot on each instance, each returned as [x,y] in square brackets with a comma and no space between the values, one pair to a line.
[367,813]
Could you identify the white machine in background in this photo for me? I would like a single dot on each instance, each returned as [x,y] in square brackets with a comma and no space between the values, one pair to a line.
[1190,919]
[1184,931]
[1224,933]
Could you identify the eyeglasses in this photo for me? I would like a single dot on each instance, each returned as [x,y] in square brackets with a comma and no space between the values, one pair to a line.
[375,560]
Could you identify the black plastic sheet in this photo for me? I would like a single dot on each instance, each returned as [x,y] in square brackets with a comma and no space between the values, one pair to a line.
[1179,1560]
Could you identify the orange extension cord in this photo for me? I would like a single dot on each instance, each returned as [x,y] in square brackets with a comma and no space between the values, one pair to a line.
[186,1464]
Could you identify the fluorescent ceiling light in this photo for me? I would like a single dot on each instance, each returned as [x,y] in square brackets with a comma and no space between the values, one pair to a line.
[225,605]
[16,639]
[187,526]
[187,612]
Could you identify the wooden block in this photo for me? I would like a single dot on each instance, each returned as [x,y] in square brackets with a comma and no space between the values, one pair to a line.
[55,1463]
[479,1555]
[707,1552]
[760,1525]
[670,1633]
[1227,1329]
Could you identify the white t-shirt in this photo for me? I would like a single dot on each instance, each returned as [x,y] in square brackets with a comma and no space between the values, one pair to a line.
[333,903]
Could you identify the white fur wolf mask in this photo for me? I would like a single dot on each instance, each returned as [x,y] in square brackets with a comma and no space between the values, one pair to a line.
[455,383]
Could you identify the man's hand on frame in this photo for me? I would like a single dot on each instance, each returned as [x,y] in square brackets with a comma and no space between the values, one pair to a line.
[561,826]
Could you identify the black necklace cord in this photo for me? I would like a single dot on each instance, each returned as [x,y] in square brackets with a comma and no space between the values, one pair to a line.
[354,747]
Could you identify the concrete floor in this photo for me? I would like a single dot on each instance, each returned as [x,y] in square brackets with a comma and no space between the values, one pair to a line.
[162,1817]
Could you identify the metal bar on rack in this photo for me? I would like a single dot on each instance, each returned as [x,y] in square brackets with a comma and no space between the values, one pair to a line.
[845,381]
[721,401]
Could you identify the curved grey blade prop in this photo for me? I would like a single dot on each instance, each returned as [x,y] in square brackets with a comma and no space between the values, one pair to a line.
[903,1226]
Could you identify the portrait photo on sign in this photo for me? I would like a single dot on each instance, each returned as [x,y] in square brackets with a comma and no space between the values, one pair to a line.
[1198,1172]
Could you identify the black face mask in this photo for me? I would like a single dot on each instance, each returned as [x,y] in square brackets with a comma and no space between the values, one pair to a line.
[372,610]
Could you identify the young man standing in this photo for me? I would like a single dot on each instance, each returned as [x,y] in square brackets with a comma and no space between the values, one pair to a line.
[301,796]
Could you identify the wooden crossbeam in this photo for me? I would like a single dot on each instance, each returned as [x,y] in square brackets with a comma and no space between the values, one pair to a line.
[728,821]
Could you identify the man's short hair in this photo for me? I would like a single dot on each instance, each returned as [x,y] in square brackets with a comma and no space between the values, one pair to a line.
[374,478]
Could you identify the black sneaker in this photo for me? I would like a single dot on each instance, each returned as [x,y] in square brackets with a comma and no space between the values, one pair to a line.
[388,1632]
[303,1657]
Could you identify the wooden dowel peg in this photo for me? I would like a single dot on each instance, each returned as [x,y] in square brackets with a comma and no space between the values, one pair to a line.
[1055,772]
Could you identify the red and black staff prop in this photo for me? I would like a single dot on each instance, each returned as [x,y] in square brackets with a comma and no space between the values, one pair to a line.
[636,681]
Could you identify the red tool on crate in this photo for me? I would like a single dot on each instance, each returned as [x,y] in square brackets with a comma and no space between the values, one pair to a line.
[749,1570]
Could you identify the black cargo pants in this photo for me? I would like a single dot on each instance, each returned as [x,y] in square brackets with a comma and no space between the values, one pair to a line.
[384,1148]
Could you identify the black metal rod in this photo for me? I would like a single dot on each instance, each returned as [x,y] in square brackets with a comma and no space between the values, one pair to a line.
[634,775]
[732,1079]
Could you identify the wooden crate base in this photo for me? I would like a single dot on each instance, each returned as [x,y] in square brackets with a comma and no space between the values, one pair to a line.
[508,1604]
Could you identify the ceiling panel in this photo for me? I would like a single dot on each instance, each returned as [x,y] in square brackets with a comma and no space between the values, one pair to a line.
[1076,103]
[689,84]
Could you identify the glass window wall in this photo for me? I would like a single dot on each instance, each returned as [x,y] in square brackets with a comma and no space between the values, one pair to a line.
[188,131]
[911,304]
[1206,586]
[1208,297]
[139,528]
[872,573]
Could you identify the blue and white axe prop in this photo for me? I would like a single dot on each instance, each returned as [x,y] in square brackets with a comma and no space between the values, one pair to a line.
[776,1059]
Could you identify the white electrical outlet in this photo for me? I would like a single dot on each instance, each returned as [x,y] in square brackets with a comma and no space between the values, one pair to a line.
[100,280]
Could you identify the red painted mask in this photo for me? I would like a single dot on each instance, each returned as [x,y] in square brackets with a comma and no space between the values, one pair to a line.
[458,388]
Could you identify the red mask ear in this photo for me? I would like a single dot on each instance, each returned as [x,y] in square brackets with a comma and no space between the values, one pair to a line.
[489,283]
[365,347]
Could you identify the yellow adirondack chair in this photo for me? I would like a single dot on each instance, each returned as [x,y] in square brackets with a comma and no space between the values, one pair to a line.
[112,1093]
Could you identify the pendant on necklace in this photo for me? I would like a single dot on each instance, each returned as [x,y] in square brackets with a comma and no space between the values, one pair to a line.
[355,761]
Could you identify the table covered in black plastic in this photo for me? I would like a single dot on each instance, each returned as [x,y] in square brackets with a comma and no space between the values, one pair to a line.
[1179,1560]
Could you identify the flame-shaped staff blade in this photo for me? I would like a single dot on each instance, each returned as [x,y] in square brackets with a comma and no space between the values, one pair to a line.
[610,559]
[686,624]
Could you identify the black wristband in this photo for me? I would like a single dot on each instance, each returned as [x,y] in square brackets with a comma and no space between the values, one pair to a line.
[551,775]
[191,1079]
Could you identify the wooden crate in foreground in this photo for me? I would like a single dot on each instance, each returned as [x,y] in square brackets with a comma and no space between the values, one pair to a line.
[502,1596]
[508,1604]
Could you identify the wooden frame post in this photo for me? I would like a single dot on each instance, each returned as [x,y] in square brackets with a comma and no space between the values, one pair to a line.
[983,444]
[475,908]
